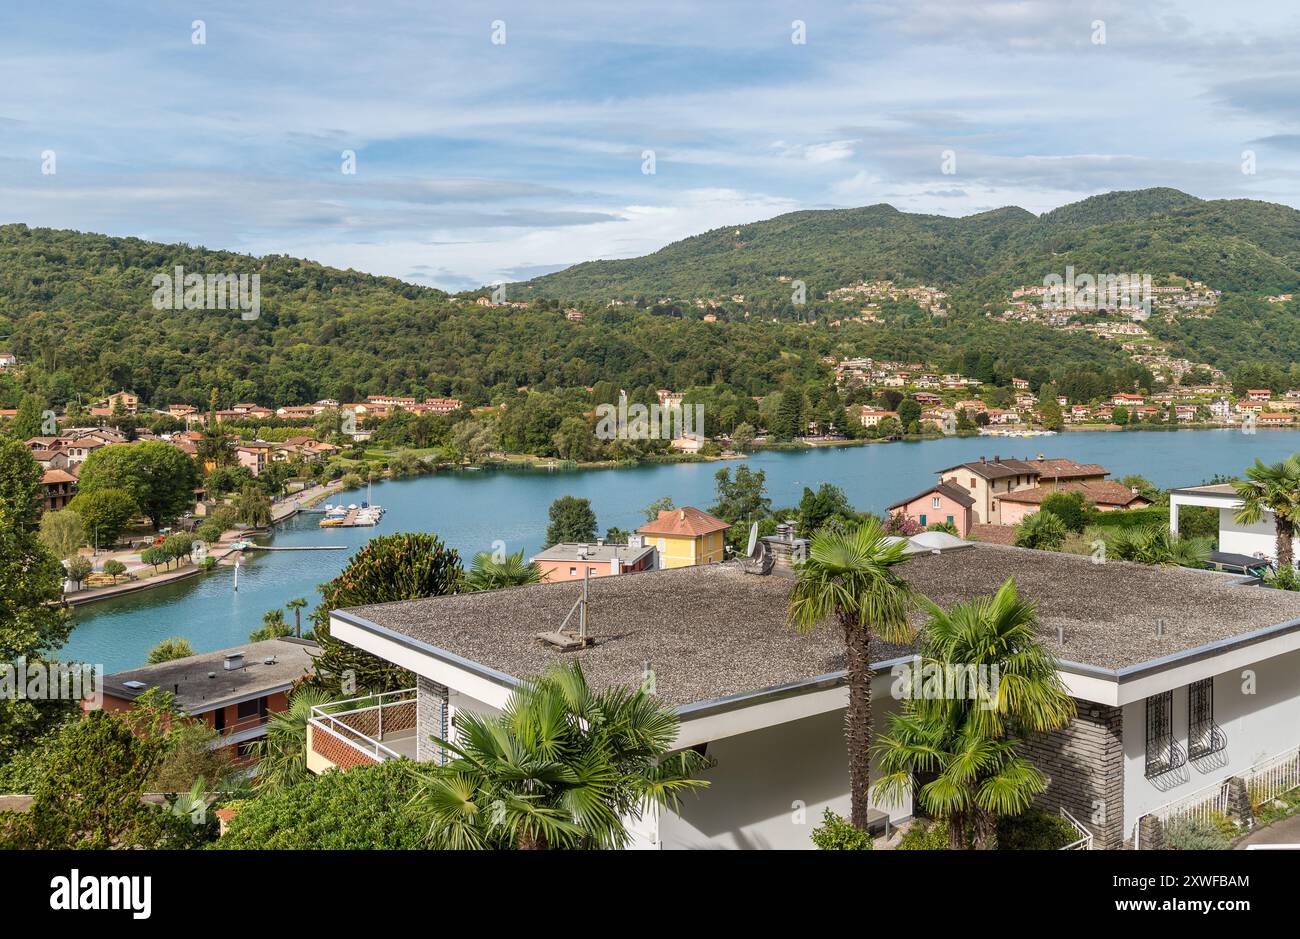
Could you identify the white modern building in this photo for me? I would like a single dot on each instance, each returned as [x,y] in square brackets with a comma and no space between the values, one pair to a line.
[1247,542]
[1183,680]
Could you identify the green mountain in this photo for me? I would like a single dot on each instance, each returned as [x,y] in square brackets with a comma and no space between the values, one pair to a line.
[1234,245]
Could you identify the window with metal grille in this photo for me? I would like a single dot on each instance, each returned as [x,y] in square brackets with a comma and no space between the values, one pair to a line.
[1163,754]
[1203,736]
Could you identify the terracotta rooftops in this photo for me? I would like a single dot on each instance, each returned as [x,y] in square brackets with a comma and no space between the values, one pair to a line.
[688,522]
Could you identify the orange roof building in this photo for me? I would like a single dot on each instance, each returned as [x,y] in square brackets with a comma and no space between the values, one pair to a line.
[685,537]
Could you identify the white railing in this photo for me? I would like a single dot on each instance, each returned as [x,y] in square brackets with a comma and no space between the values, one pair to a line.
[1264,780]
[339,721]
[1084,841]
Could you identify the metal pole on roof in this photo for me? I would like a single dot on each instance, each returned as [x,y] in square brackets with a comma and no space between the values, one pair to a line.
[582,613]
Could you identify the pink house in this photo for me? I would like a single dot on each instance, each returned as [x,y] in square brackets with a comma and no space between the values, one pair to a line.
[942,502]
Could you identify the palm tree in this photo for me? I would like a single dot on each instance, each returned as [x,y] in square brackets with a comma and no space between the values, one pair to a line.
[851,576]
[1042,530]
[297,604]
[487,573]
[561,767]
[1272,487]
[282,752]
[1155,544]
[969,742]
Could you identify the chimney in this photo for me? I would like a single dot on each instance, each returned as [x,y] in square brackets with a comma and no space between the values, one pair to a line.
[635,542]
[982,459]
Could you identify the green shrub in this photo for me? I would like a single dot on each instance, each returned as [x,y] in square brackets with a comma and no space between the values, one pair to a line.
[837,833]
[1196,835]
[1035,830]
[925,835]
[1068,507]
[363,807]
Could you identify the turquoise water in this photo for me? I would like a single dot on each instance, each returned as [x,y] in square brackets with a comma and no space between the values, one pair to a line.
[471,510]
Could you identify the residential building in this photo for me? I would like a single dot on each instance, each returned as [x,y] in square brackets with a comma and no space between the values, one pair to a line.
[233,691]
[1259,394]
[1251,542]
[942,502]
[58,486]
[8,360]
[1104,495]
[573,561]
[685,537]
[988,480]
[871,417]
[1155,670]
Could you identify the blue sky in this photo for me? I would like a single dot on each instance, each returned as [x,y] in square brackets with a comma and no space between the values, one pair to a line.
[479,161]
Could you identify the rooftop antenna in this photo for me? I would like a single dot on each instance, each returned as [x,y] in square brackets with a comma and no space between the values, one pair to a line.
[566,640]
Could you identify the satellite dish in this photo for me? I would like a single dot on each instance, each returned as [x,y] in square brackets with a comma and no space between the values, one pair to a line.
[753,540]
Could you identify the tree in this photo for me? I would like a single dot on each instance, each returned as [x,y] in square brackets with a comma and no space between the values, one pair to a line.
[970,744]
[742,438]
[273,626]
[160,477]
[253,508]
[664,504]
[1119,415]
[1069,507]
[1156,544]
[404,566]
[909,413]
[817,508]
[88,792]
[571,520]
[488,573]
[104,513]
[1272,488]
[362,808]
[281,754]
[30,417]
[114,568]
[561,767]
[79,568]
[744,499]
[1041,530]
[177,546]
[852,578]
[62,533]
[154,556]
[297,604]
[169,649]
[33,621]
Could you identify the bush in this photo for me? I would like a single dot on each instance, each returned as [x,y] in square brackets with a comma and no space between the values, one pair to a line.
[837,833]
[925,835]
[1035,830]
[363,807]
[1041,530]
[1068,507]
[209,532]
[1196,835]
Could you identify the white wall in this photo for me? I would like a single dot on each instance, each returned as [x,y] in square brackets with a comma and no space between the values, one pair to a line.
[1257,539]
[1257,726]
[760,775]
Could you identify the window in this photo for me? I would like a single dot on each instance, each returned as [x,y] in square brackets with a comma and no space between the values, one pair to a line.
[247,709]
[972,482]
[1203,737]
[935,502]
[922,521]
[1163,754]
[950,520]
[573,572]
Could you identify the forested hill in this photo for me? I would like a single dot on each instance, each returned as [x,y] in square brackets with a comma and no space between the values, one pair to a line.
[77,311]
[1234,245]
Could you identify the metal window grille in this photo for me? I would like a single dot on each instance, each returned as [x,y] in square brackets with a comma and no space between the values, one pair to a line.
[1162,754]
[1203,736]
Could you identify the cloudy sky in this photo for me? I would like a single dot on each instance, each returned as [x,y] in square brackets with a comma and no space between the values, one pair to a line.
[498,140]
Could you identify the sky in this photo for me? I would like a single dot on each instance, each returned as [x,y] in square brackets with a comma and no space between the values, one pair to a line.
[495,141]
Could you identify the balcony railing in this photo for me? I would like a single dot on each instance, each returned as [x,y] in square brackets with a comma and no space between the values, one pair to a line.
[369,729]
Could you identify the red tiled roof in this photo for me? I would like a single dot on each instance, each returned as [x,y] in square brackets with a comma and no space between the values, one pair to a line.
[687,521]
[993,534]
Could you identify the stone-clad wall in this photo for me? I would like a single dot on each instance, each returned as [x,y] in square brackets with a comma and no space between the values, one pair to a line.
[1084,763]
[430,711]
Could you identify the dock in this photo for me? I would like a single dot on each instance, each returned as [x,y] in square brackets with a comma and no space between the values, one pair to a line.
[355,518]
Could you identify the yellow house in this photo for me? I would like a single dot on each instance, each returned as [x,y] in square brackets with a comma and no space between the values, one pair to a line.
[686,536]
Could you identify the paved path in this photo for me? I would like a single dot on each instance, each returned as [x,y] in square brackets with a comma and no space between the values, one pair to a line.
[1285,831]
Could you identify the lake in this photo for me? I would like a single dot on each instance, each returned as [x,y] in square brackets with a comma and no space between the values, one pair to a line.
[471,510]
